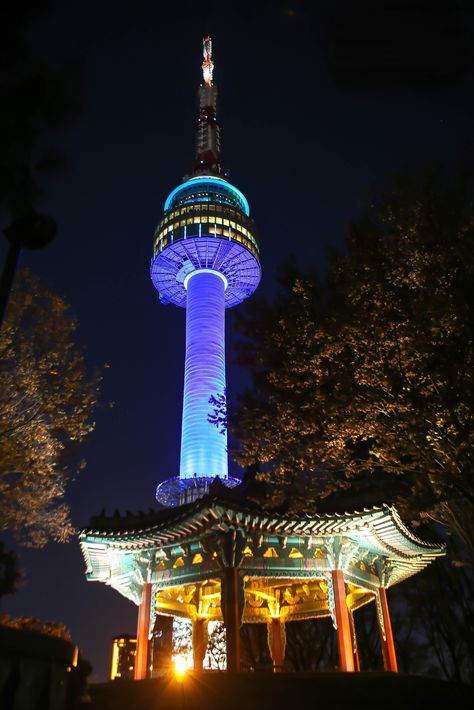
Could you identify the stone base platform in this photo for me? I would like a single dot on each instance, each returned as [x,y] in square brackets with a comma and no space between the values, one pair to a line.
[283,691]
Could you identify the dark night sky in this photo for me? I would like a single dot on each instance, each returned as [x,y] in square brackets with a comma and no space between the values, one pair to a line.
[320,104]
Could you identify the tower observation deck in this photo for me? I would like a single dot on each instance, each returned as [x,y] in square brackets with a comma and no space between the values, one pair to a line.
[205,259]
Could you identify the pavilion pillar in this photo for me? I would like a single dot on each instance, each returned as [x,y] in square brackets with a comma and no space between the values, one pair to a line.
[199,643]
[276,643]
[232,615]
[386,634]
[143,629]
[344,640]
[355,649]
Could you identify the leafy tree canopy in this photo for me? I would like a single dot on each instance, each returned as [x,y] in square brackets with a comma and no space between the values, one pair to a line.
[370,373]
[46,410]
[37,97]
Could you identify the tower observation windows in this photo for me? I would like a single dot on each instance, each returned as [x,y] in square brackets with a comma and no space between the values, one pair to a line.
[203,226]
[209,188]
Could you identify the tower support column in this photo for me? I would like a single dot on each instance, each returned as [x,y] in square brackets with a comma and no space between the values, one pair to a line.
[204,446]
[344,640]
[143,629]
[386,634]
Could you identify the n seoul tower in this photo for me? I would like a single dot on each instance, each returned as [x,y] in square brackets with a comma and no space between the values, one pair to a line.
[205,259]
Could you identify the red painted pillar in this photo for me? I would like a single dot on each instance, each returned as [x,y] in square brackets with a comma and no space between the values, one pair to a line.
[388,644]
[277,646]
[143,627]
[346,657]
[232,618]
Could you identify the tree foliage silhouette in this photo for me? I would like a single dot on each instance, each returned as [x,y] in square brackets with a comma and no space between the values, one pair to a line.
[372,371]
[47,401]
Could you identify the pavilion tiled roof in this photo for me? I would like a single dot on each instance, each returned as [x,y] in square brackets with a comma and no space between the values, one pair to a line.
[381,524]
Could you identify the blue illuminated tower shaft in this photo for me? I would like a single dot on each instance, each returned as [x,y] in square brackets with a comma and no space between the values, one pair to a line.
[203,446]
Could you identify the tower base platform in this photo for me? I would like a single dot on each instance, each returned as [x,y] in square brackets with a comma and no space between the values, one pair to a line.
[180,491]
[282,691]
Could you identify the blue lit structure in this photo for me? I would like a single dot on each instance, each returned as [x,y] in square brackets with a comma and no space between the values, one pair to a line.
[205,259]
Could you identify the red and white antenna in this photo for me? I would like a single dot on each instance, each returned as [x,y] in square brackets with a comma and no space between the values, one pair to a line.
[207,65]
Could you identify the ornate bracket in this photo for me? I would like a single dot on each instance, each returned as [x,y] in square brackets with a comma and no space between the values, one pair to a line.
[378,606]
[230,547]
[339,551]
[154,590]
[270,631]
[331,602]
[384,569]
[142,569]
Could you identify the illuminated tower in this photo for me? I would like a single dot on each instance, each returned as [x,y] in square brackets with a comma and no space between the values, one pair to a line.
[205,259]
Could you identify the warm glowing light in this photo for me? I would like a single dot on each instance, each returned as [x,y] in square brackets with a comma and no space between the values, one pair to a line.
[114,672]
[271,552]
[180,667]
[207,65]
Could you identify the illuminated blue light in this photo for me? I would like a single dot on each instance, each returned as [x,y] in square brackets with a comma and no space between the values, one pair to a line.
[205,271]
[203,446]
[202,180]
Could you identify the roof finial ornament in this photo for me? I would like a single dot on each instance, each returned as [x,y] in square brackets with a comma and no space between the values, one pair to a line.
[207,65]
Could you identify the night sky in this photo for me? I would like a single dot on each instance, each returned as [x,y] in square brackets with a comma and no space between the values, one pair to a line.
[320,104]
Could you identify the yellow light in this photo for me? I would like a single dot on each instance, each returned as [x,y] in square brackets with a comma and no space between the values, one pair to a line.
[180,668]
[295,553]
[114,665]
[271,552]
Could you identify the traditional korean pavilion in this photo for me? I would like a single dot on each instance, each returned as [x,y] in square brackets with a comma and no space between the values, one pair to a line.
[211,553]
[222,558]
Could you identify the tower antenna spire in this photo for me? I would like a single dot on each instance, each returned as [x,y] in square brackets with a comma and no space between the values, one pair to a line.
[208,148]
[207,65]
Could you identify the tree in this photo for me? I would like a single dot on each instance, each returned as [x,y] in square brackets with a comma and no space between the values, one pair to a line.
[215,658]
[9,575]
[36,97]
[47,400]
[441,614]
[372,371]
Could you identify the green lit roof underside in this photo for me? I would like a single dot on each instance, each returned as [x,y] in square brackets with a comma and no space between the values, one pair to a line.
[112,550]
